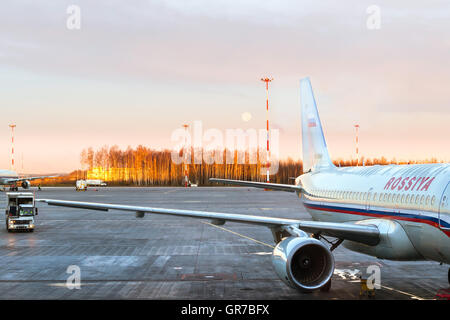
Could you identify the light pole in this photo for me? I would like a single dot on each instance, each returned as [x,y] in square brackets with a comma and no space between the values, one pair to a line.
[357,151]
[12,126]
[186,179]
[267,80]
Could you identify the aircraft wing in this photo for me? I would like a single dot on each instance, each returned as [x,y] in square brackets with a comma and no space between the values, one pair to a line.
[12,180]
[265,185]
[367,234]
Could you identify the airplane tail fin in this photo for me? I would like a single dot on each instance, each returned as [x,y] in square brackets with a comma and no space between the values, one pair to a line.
[315,151]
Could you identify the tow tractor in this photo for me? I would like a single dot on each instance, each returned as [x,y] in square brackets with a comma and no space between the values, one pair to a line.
[20,211]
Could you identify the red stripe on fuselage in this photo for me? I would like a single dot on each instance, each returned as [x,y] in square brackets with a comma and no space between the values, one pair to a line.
[392,217]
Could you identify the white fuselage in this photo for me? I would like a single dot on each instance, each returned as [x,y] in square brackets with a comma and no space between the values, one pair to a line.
[5,175]
[409,203]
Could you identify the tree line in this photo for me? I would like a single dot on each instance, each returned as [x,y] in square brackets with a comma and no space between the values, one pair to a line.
[143,166]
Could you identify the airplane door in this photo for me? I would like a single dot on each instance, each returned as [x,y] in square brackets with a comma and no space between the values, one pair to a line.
[369,199]
[444,209]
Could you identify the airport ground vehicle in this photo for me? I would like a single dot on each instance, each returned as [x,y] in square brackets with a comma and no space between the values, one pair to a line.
[98,183]
[81,185]
[20,211]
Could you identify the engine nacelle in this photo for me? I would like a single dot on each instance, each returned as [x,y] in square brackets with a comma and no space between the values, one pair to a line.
[303,263]
[25,184]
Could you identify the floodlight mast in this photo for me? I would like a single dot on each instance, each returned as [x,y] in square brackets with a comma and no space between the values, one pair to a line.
[12,126]
[357,148]
[186,179]
[267,80]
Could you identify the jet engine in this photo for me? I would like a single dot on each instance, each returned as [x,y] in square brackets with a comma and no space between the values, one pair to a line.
[303,263]
[25,184]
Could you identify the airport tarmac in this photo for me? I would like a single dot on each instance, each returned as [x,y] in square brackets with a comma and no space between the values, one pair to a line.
[163,257]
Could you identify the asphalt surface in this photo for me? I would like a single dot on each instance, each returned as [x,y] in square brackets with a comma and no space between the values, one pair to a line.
[163,257]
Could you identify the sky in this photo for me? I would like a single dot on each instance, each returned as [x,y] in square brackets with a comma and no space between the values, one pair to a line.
[135,71]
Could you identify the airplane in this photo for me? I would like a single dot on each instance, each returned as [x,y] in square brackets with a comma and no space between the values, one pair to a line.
[11,178]
[395,212]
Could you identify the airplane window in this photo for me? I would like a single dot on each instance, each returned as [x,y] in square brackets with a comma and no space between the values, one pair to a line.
[417,199]
[389,198]
[385,197]
[397,198]
[421,199]
[407,199]
[375,196]
[433,200]
[364,196]
[403,198]
[412,199]
[381,197]
[427,201]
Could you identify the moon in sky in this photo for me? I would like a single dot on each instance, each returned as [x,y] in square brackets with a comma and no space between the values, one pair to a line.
[246,116]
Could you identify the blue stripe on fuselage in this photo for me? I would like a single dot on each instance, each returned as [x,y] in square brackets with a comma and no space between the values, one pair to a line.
[385,214]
